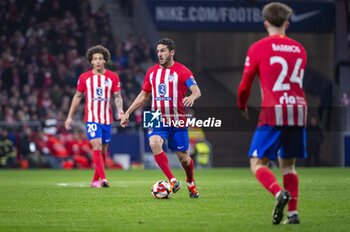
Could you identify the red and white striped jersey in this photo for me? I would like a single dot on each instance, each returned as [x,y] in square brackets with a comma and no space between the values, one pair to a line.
[168,87]
[98,93]
[280,63]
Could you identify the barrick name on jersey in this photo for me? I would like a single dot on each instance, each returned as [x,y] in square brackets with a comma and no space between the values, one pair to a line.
[285,48]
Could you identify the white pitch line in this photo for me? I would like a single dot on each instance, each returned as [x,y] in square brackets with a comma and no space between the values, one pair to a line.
[122,185]
[73,184]
[62,184]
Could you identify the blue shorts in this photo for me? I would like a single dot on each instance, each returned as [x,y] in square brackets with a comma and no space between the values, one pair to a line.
[95,131]
[177,137]
[285,141]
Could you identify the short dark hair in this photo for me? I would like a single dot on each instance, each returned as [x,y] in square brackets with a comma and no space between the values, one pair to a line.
[98,49]
[277,13]
[168,42]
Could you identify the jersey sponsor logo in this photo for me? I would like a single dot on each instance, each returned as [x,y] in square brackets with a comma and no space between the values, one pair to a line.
[99,91]
[301,100]
[301,17]
[291,100]
[285,48]
[163,98]
[286,99]
[162,89]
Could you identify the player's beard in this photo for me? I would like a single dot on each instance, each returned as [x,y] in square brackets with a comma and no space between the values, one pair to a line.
[166,61]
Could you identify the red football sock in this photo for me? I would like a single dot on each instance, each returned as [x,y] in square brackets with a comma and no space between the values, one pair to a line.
[100,168]
[162,161]
[105,155]
[96,176]
[268,179]
[291,184]
[189,171]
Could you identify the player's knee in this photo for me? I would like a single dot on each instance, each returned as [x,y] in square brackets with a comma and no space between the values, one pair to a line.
[256,164]
[253,169]
[184,160]
[96,146]
[104,149]
[288,169]
[155,145]
[253,166]
[287,166]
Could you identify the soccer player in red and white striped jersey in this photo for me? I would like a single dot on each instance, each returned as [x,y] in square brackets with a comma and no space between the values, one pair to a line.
[168,87]
[100,86]
[168,82]
[280,62]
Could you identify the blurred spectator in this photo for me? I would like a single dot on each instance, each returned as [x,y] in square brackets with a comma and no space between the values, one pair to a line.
[317,84]
[127,6]
[57,149]
[314,141]
[43,145]
[10,116]
[80,152]
[50,124]
[56,95]
[8,153]
[201,154]
[29,149]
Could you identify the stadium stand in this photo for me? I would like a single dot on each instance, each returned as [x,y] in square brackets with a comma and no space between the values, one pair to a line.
[42,54]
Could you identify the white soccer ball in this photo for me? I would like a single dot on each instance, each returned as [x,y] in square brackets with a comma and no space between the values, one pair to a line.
[161,190]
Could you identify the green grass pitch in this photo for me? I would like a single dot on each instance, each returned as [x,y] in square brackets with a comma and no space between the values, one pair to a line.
[230,200]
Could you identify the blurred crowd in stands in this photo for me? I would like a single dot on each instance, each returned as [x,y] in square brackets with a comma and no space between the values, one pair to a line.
[42,54]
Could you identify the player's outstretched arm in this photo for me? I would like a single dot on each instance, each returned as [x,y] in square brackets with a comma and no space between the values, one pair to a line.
[195,94]
[75,103]
[138,102]
[119,104]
